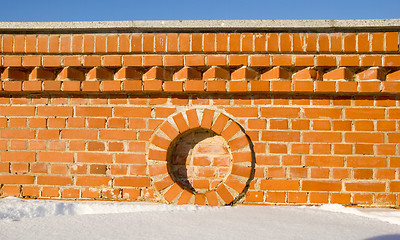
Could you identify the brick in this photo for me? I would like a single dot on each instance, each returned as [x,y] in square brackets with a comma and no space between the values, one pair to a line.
[339,74]
[65,43]
[323,42]
[276,73]
[194,86]
[238,112]
[280,136]
[51,61]
[324,161]
[297,197]
[360,137]
[90,157]
[14,74]
[217,60]
[363,42]
[276,197]
[365,161]
[255,196]
[17,133]
[246,42]
[349,42]
[50,192]
[219,123]
[272,42]
[181,123]
[244,73]
[221,42]
[280,185]
[132,112]
[260,61]
[209,42]
[132,61]
[128,73]
[392,42]
[238,143]
[54,111]
[238,60]
[329,113]
[54,180]
[285,42]
[17,110]
[394,186]
[173,192]
[112,61]
[325,61]
[328,137]
[259,42]
[391,61]
[76,45]
[238,86]
[370,74]
[321,186]
[362,173]
[184,42]
[93,181]
[281,60]
[90,193]
[304,61]
[131,193]
[279,112]
[98,73]
[230,131]
[365,187]
[371,60]
[55,157]
[136,42]
[364,113]
[349,61]
[11,191]
[173,61]
[157,169]
[131,158]
[118,134]
[225,195]
[31,61]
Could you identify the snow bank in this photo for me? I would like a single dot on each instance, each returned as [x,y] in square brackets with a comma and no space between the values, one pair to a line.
[16,208]
[49,220]
[387,215]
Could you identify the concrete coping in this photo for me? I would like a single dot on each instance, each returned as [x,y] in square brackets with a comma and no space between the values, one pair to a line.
[203,25]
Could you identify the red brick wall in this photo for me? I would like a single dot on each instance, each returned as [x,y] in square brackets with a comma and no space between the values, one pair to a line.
[202,118]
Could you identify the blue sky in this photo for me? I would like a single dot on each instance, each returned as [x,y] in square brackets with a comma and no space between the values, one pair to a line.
[116,10]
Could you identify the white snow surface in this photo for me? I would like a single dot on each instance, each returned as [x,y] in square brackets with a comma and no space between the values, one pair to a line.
[43,219]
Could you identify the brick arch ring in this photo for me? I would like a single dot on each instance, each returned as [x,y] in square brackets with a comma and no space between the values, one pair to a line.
[237,159]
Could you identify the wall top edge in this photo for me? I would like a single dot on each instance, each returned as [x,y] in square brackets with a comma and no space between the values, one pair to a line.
[203,25]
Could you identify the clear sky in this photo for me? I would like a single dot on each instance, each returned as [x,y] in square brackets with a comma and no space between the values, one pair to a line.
[117,10]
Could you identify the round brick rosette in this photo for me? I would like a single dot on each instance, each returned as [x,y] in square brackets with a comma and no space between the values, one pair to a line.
[202,157]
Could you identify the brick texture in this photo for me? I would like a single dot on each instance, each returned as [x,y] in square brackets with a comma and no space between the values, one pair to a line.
[287,118]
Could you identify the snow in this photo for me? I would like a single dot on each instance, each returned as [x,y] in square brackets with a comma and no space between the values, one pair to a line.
[40,219]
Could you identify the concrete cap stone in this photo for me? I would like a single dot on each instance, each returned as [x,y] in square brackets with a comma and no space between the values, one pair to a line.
[200,25]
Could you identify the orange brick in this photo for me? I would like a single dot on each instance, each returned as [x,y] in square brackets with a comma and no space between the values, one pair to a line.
[279,185]
[325,61]
[297,197]
[221,42]
[54,180]
[11,191]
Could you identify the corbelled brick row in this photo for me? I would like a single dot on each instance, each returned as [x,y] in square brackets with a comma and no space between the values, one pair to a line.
[288,117]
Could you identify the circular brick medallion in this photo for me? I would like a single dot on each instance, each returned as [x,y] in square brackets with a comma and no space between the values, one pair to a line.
[202,157]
